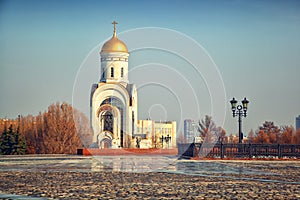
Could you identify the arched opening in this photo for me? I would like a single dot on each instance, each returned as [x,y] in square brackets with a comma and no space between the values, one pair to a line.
[106,124]
[132,122]
[107,120]
[105,143]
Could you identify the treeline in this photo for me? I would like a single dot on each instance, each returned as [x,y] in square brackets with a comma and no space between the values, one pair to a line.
[269,133]
[59,130]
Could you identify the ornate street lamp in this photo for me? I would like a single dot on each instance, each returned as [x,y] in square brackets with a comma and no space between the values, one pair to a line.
[240,111]
[167,139]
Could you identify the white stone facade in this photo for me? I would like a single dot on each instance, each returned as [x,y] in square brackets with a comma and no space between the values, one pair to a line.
[114,106]
[113,99]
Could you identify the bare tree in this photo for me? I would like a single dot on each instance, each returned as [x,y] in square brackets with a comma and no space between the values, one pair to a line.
[204,126]
[181,138]
[251,136]
[208,130]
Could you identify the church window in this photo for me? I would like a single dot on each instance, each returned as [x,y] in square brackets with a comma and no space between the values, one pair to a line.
[107,119]
[112,72]
[122,72]
[132,122]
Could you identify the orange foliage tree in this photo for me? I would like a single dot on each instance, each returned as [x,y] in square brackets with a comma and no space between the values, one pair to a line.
[287,135]
[59,130]
[261,138]
[268,133]
[272,131]
[296,137]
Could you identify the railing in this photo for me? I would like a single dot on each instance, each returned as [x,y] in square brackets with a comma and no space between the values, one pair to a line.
[220,150]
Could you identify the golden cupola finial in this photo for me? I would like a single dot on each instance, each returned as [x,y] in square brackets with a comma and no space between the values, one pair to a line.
[115,28]
[114,44]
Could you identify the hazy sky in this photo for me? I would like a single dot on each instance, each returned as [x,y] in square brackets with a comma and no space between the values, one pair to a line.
[254,44]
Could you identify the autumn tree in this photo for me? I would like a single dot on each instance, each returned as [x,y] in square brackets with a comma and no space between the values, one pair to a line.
[60,134]
[28,130]
[261,137]
[232,139]
[296,137]
[222,137]
[60,129]
[272,132]
[287,135]
[268,133]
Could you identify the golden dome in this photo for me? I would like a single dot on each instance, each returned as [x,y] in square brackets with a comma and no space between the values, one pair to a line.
[114,44]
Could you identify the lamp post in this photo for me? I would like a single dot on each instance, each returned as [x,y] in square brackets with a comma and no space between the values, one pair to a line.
[167,140]
[240,111]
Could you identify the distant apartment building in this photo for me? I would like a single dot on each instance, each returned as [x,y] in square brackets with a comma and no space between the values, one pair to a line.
[297,122]
[190,130]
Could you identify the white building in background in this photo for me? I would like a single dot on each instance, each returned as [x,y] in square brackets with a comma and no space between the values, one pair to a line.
[156,134]
[114,105]
[190,130]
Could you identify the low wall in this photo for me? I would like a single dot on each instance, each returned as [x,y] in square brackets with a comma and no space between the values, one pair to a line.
[239,150]
[125,151]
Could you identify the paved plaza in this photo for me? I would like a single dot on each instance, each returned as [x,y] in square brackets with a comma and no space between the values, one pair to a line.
[144,177]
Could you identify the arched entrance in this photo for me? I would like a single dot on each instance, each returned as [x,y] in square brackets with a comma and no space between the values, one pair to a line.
[105,140]
[105,143]
[107,121]
[111,119]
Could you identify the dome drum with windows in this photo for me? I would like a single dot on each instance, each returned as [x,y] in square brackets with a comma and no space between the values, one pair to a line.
[114,60]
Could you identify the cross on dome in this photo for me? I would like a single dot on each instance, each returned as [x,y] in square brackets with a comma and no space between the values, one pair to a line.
[114,44]
[115,29]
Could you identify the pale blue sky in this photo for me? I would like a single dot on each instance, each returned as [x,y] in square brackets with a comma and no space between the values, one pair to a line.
[255,44]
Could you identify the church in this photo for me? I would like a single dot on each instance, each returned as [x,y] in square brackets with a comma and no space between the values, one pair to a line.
[114,106]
